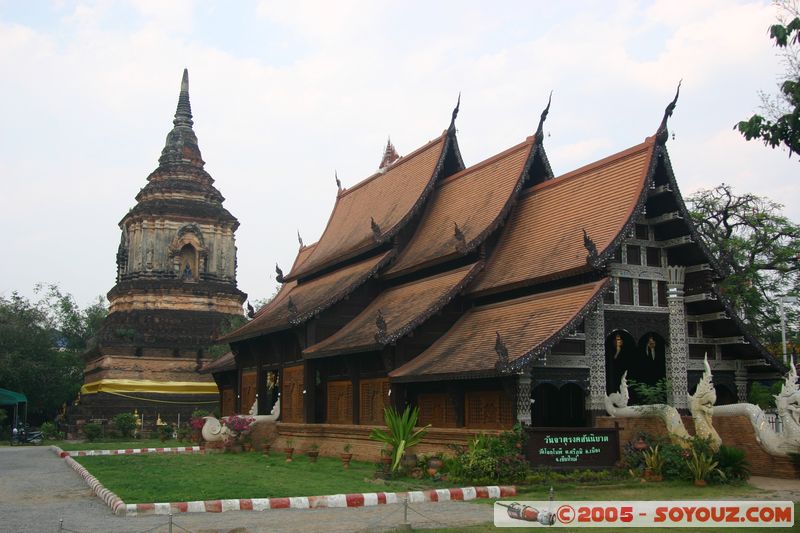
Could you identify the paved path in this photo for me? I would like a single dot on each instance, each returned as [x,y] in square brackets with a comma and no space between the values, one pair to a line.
[37,489]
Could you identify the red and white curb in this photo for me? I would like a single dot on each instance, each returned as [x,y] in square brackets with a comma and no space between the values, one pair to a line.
[135,451]
[318,502]
[366,499]
[111,499]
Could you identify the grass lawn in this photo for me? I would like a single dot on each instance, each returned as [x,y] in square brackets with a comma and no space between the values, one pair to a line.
[71,445]
[176,478]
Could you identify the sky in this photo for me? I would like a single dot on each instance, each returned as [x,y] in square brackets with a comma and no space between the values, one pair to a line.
[284,94]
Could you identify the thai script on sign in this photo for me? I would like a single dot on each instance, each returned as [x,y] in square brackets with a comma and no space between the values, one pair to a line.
[570,439]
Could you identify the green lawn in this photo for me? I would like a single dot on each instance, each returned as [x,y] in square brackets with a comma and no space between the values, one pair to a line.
[189,477]
[70,445]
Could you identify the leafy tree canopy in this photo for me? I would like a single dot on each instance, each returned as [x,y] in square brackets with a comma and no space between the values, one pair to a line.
[41,344]
[780,123]
[758,248]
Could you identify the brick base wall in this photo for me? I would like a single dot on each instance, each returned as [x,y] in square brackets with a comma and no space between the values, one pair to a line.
[734,431]
[331,439]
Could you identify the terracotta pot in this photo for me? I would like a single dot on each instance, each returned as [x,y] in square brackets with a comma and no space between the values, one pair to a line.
[247,446]
[700,483]
[434,465]
[312,455]
[289,452]
[265,449]
[346,457]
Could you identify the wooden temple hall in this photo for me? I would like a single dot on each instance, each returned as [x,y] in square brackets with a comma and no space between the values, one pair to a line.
[493,294]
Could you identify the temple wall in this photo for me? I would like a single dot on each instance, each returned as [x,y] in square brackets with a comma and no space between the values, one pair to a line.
[332,438]
[734,431]
[176,299]
[152,368]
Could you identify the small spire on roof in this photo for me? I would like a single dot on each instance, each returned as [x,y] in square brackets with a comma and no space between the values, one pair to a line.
[591,247]
[250,311]
[542,118]
[502,354]
[338,183]
[662,134]
[299,239]
[376,229]
[279,272]
[390,155]
[455,112]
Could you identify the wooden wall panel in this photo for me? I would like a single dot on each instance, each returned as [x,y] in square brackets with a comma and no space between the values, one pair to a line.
[373,397]
[340,402]
[488,410]
[228,402]
[248,391]
[436,409]
[292,394]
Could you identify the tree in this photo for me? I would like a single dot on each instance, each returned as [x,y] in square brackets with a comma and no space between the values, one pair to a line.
[759,250]
[40,347]
[780,124]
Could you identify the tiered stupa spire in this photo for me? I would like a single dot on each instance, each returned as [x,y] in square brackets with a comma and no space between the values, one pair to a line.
[390,155]
[181,146]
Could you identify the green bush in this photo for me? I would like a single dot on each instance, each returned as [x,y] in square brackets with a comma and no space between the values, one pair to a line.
[165,432]
[93,431]
[50,431]
[733,462]
[490,459]
[125,424]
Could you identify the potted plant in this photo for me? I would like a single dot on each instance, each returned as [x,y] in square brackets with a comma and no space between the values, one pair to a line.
[346,455]
[401,434]
[654,464]
[312,452]
[165,432]
[701,465]
[434,464]
[289,450]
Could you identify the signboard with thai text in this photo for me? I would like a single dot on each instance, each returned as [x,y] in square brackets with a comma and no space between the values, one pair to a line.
[564,448]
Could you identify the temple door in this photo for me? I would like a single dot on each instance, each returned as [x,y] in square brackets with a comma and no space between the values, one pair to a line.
[292,394]
[373,397]
[248,391]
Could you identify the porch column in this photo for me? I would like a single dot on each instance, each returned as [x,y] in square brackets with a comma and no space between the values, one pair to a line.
[740,378]
[595,349]
[524,398]
[678,353]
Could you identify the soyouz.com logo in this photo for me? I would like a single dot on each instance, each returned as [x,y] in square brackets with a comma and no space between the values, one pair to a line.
[644,514]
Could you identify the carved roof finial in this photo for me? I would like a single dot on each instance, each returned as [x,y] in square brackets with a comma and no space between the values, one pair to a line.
[380,323]
[662,134]
[590,246]
[299,239]
[542,118]
[338,183]
[250,311]
[279,272]
[502,354]
[461,241]
[390,155]
[455,112]
[376,229]
[291,306]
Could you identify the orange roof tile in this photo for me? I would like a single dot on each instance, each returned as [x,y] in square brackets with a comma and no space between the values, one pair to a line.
[543,237]
[389,197]
[527,326]
[476,199]
[302,255]
[223,363]
[403,308]
[296,303]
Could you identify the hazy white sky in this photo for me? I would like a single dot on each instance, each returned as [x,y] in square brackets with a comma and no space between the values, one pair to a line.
[284,93]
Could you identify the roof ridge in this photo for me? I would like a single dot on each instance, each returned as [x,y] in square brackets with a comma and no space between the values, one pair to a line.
[486,162]
[606,161]
[555,292]
[344,192]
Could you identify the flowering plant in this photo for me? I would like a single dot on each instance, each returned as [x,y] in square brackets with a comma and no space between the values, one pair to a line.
[196,423]
[238,424]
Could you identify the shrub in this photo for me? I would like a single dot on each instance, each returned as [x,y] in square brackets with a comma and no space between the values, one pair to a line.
[401,434]
[490,459]
[184,433]
[93,431]
[733,462]
[125,423]
[165,432]
[49,431]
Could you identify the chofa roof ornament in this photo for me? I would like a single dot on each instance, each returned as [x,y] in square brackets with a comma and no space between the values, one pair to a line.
[540,129]
[662,134]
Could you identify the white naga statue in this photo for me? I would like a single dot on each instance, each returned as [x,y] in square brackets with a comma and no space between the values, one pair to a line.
[214,430]
[616,405]
[701,405]
[788,407]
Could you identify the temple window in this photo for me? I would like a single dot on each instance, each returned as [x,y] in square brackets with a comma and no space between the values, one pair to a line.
[634,255]
[653,256]
[645,292]
[626,291]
